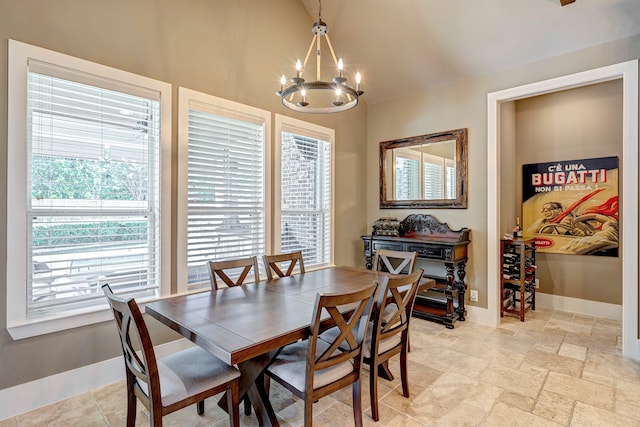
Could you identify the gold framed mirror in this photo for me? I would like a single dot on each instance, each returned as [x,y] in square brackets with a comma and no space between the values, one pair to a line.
[426,171]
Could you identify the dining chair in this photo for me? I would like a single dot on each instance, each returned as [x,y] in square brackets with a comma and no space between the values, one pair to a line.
[314,368]
[273,263]
[220,270]
[394,262]
[388,333]
[170,383]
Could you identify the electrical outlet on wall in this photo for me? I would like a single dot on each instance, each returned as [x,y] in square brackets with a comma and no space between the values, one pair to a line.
[473,295]
[537,283]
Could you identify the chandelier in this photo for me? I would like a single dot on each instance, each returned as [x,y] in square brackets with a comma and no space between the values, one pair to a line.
[319,96]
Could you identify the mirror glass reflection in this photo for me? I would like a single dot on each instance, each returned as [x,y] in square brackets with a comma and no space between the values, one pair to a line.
[426,171]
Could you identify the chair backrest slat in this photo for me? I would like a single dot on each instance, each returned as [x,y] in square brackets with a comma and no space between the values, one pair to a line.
[272,263]
[394,262]
[220,269]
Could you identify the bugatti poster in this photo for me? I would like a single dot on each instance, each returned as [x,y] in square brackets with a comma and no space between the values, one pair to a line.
[571,207]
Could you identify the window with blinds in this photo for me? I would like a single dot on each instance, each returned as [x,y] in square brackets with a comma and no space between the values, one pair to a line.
[92,214]
[84,188]
[306,197]
[225,187]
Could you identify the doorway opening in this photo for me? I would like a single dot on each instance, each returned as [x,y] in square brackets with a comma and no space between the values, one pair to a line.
[628,72]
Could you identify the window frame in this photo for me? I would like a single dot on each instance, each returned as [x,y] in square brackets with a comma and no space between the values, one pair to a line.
[19,325]
[289,124]
[227,108]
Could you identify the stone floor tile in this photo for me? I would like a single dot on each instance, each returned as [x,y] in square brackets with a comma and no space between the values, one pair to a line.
[573,351]
[581,390]
[587,415]
[525,383]
[554,407]
[628,392]
[564,327]
[629,411]
[555,362]
[517,400]
[613,365]
[9,422]
[507,416]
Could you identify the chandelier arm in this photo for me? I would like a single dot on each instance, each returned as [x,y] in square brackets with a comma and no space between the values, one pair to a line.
[306,58]
[335,60]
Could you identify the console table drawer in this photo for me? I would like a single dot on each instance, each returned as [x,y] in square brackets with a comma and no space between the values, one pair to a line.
[388,246]
[430,252]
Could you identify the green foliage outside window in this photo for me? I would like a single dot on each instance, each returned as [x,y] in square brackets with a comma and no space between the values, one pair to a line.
[88,179]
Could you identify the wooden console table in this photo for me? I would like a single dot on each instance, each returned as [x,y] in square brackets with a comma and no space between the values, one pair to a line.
[442,252]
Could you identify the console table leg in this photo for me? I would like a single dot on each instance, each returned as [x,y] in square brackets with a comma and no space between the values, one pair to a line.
[462,288]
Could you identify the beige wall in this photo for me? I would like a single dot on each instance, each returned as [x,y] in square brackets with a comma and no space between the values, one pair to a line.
[465,105]
[232,49]
[572,124]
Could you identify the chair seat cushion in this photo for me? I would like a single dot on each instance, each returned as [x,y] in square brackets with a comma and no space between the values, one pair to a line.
[290,365]
[191,371]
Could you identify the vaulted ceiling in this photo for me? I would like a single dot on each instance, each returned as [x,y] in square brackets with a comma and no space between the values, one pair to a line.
[403,46]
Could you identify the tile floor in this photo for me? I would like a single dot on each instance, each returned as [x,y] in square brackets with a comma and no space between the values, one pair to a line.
[555,369]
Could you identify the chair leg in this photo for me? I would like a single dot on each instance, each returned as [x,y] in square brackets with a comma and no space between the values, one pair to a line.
[247,405]
[233,401]
[156,417]
[200,406]
[308,412]
[267,383]
[357,403]
[373,392]
[403,372]
[131,409]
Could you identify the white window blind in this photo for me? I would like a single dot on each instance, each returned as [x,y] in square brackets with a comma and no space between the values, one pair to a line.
[407,178]
[93,184]
[306,197]
[225,196]
[433,178]
[451,179]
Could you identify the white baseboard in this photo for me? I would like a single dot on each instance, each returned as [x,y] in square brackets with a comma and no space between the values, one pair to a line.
[480,315]
[45,391]
[580,306]
[571,305]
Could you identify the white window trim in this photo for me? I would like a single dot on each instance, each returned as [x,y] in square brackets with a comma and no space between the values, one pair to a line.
[289,124]
[19,54]
[185,97]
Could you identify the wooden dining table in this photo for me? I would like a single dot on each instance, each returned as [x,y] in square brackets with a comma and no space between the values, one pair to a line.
[247,325]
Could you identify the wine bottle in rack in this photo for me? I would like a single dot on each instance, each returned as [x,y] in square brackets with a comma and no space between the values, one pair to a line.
[517,230]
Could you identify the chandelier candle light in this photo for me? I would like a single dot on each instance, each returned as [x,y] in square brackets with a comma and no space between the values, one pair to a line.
[319,96]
